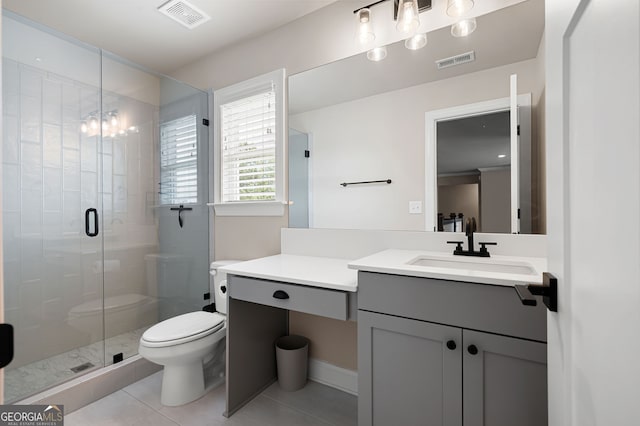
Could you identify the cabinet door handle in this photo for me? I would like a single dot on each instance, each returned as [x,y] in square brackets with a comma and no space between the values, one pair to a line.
[279,294]
[473,349]
[451,345]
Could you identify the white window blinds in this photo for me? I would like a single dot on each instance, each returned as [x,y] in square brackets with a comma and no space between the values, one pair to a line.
[179,161]
[248,133]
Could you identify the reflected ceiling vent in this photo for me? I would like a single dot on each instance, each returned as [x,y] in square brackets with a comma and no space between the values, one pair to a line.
[463,58]
[184,13]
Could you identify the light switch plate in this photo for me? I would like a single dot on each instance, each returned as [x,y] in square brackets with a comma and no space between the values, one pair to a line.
[415,207]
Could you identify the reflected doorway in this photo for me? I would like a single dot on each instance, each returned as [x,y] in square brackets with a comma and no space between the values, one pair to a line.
[474,172]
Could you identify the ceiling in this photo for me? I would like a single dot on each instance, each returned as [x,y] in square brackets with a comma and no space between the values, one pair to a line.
[505,36]
[135,30]
[472,143]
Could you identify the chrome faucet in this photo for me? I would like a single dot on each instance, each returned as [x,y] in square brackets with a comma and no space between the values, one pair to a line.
[470,228]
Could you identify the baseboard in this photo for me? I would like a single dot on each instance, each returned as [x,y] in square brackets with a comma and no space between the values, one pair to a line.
[331,375]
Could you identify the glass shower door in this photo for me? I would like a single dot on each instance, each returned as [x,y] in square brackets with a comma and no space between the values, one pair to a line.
[53,260]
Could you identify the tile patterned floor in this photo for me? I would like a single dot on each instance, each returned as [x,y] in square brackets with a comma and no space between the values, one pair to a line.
[32,378]
[139,404]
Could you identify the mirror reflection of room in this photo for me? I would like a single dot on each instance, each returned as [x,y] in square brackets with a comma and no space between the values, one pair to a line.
[473,169]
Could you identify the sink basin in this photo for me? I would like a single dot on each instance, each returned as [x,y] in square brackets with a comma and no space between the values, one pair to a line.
[484,265]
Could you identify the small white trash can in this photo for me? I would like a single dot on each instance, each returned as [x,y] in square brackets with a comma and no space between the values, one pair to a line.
[292,358]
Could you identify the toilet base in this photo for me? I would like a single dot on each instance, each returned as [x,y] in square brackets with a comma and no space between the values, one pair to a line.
[182,384]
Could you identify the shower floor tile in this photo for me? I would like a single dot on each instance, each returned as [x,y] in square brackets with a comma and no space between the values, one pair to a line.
[32,378]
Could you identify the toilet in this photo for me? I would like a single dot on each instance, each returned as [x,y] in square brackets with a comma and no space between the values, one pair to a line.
[183,344]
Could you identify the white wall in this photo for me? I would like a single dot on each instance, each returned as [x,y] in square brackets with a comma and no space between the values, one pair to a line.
[383,137]
[318,38]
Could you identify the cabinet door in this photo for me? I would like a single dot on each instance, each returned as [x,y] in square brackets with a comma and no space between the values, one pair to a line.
[505,381]
[407,375]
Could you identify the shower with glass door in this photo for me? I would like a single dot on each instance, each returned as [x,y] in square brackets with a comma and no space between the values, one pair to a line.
[96,152]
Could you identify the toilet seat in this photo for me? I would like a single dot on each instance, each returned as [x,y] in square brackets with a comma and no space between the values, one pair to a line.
[182,329]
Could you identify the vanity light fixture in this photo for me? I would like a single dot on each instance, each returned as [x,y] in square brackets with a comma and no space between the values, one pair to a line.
[377,54]
[406,12]
[408,20]
[457,8]
[108,121]
[364,33]
[502,155]
[464,27]
[416,42]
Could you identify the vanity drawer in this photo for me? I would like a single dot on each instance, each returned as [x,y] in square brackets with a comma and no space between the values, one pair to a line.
[311,300]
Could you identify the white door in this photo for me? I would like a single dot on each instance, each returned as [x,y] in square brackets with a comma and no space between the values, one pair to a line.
[593,193]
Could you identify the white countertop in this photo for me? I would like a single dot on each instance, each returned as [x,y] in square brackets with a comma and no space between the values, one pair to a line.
[324,272]
[394,261]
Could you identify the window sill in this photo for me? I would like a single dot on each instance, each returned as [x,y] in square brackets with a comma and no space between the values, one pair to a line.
[263,208]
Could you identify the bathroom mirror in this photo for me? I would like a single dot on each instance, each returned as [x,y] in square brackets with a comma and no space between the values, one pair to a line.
[364,121]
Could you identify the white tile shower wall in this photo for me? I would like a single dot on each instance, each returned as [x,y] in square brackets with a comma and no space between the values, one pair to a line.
[51,174]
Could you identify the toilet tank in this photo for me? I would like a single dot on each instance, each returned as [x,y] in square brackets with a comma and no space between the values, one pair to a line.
[218,284]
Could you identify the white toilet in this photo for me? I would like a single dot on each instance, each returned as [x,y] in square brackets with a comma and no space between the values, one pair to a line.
[183,344]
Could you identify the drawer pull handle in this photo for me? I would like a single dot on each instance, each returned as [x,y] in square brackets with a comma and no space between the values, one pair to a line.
[473,349]
[451,345]
[279,294]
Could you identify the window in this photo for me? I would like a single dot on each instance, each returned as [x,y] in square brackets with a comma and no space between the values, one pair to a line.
[179,161]
[249,143]
[249,148]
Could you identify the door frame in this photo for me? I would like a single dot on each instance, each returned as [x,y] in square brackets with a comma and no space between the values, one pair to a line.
[464,111]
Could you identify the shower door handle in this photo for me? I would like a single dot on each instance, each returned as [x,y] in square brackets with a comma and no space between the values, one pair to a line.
[87,228]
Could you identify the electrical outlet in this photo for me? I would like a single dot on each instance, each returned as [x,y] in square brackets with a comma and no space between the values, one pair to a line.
[415,207]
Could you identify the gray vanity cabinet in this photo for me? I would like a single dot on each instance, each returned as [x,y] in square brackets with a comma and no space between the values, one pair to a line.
[504,382]
[447,353]
[407,374]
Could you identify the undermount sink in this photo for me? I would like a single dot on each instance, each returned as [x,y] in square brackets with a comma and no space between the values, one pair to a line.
[484,265]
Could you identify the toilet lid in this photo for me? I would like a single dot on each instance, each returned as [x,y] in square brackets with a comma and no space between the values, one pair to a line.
[183,326]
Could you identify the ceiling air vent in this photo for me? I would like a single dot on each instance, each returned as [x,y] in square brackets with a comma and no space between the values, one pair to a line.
[184,13]
[463,58]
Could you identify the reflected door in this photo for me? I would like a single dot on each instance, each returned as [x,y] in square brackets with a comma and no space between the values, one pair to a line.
[298,179]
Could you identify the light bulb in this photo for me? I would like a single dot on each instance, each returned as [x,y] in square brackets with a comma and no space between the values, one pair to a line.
[416,42]
[408,20]
[364,33]
[114,120]
[457,8]
[105,124]
[377,54]
[464,28]
[83,127]
[93,123]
